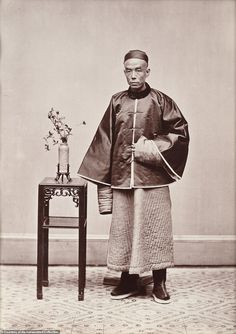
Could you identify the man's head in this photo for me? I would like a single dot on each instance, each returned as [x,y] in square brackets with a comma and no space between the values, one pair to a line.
[136,69]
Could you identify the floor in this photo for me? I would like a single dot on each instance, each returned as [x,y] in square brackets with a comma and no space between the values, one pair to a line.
[203,301]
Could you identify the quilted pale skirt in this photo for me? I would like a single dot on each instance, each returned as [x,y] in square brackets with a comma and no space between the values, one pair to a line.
[141,236]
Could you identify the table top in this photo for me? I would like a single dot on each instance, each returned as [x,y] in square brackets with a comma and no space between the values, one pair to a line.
[75,182]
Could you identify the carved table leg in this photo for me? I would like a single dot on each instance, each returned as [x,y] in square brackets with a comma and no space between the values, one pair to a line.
[40,245]
[45,247]
[82,245]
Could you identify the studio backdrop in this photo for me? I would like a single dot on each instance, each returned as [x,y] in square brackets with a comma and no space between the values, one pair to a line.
[69,55]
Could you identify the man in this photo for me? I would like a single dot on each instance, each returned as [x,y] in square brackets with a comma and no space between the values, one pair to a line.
[140,147]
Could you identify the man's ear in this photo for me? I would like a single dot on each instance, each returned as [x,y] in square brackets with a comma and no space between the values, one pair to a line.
[148,71]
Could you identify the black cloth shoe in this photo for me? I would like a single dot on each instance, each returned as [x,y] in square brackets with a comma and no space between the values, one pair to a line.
[127,287]
[159,292]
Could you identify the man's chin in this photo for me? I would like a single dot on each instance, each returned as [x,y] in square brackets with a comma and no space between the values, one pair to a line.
[136,87]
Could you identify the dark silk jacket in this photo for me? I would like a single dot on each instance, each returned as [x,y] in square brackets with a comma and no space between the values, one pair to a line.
[152,114]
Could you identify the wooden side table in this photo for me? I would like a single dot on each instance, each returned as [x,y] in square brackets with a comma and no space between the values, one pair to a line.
[48,188]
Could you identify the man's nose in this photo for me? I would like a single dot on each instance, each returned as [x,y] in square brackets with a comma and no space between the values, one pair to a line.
[133,74]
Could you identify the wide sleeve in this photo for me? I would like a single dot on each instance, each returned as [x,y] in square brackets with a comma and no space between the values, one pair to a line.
[173,141]
[96,165]
[146,151]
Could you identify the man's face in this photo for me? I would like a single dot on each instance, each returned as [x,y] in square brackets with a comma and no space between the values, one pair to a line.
[136,71]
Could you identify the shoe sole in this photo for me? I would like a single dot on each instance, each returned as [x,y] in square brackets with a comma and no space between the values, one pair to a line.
[160,301]
[125,296]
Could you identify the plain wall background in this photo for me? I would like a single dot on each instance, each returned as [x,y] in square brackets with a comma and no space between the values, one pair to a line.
[69,54]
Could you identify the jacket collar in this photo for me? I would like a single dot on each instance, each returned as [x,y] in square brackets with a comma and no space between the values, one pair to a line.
[139,95]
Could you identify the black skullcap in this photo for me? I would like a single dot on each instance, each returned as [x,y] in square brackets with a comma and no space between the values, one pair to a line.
[136,54]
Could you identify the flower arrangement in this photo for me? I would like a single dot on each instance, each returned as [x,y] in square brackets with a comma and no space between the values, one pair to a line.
[61,131]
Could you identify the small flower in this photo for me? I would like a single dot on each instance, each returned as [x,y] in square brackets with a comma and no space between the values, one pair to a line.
[55,142]
[50,134]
